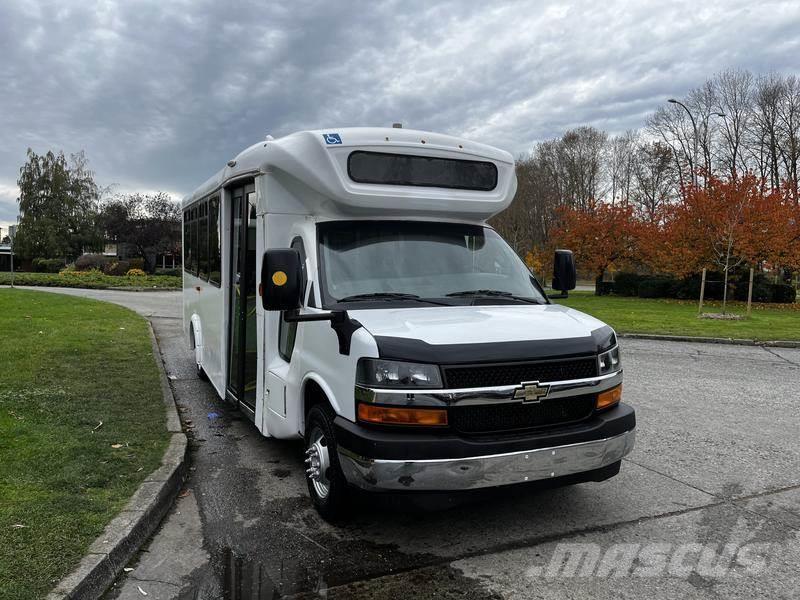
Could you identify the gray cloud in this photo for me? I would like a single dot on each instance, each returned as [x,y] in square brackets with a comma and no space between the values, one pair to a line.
[161,94]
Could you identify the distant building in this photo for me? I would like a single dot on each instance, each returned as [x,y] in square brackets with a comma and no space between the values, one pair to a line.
[5,257]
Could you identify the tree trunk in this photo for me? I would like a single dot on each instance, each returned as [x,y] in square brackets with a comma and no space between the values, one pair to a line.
[725,285]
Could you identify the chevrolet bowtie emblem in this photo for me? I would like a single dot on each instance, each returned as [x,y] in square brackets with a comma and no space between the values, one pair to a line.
[531,392]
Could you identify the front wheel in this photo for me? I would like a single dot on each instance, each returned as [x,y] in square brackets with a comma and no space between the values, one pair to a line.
[326,483]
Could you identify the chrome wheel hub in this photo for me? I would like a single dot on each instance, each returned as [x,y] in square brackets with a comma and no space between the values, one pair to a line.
[317,463]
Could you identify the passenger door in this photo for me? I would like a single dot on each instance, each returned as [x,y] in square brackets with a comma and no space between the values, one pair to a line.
[243,343]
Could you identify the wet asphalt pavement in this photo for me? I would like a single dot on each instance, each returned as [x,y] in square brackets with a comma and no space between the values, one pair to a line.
[717,462]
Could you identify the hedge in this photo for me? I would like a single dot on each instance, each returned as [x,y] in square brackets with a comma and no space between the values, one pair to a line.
[47,265]
[688,288]
[87,262]
[91,280]
[657,288]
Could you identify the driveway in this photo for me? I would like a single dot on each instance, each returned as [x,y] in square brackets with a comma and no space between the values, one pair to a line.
[707,505]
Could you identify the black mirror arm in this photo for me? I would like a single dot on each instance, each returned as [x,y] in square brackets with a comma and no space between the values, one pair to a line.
[341,323]
[294,316]
[558,296]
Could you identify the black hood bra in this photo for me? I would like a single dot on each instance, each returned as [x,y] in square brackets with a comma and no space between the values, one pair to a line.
[413,350]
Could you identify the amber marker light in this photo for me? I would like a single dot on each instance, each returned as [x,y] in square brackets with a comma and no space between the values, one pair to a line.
[392,415]
[609,398]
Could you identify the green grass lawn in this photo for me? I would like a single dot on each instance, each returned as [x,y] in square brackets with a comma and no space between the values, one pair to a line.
[679,317]
[67,365]
[92,280]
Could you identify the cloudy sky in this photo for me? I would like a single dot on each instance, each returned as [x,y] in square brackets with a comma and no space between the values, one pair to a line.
[161,94]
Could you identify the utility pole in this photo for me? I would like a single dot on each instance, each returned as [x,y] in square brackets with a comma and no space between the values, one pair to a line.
[694,127]
[11,256]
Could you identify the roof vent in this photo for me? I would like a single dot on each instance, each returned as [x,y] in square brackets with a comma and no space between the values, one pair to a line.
[397,125]
[269,138]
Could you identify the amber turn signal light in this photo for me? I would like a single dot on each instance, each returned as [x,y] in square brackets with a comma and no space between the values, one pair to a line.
[391,415]
[609,398]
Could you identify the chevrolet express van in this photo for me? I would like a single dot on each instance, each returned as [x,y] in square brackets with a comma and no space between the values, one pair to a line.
[343,286]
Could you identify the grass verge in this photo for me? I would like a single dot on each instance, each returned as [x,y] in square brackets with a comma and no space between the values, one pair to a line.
[679,317]
[68,365]
[92,280]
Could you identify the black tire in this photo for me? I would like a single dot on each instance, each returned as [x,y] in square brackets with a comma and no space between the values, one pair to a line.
[333,505]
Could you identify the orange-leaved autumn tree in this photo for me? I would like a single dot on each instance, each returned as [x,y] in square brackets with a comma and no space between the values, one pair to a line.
[538,259]
[600,235]
[727,223]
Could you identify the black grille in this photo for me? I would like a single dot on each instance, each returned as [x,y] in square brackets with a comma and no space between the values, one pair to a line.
[516,416]
[473,376]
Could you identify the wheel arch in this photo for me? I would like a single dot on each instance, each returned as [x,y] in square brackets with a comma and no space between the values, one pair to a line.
[314,391]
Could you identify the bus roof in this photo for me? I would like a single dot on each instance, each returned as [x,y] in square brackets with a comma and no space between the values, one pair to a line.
[320,160]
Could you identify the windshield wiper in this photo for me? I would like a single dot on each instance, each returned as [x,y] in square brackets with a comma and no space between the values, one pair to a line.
[387,296]
[492,294]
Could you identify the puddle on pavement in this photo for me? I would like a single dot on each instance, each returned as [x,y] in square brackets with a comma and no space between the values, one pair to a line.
[245,579]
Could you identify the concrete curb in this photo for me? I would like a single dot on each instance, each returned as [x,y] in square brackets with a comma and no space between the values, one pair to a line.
[126,533]
[138,289]
[712,340]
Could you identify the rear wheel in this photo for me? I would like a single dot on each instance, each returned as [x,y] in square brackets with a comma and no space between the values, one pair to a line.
[326,483]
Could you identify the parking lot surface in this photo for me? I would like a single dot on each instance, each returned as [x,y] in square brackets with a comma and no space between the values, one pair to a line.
[706,506]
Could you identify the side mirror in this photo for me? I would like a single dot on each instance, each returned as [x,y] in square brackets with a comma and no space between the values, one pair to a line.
[281,280]
[564,275]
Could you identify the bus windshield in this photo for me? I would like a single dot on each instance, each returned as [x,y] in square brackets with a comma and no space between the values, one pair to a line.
[445,263]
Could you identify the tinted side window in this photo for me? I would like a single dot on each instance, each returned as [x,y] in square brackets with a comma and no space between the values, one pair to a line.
[202,241]
[214,254]
[193,243]
[187,236]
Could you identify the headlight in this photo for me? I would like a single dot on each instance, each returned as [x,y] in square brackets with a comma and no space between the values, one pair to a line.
[610,361]
[376,372]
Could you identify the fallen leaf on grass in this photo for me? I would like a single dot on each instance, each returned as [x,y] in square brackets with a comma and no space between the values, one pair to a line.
[99,425]
[128,569]
[141,591]
[116,445]
[19,526]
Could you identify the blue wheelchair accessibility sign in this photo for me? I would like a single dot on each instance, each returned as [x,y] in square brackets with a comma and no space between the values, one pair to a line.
[332,138]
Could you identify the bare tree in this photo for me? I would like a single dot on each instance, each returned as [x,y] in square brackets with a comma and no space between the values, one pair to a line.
[702,102]
[734,103]
[581,162]
[671,124]
[789,132]
[655,183]
[621,165]
[769,90]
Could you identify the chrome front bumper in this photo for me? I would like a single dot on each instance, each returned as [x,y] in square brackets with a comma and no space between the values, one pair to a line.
[484,471]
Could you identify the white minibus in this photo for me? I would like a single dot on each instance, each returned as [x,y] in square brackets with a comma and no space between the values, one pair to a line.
[343,286]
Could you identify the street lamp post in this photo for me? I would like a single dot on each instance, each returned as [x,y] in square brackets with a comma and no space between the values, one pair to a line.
[694,127]
[11,257]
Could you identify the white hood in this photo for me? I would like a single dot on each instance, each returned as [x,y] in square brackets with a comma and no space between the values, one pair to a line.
[478,324]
